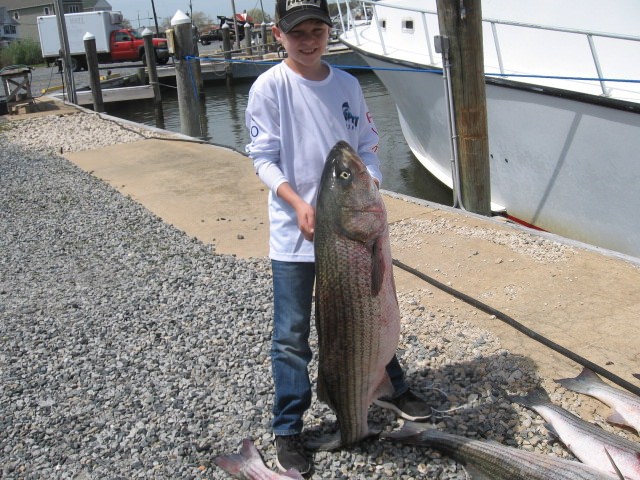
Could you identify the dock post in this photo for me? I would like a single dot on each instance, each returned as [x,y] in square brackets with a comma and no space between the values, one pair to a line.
[69,81]
[247,38]
[198,70]
[147,35]
[226,47]
[461,23]
[94,73]
[186,78]
[265,46]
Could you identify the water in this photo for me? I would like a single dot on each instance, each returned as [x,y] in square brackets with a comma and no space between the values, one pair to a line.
[225,106]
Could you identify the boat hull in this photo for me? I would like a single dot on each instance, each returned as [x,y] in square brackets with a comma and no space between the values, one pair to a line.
[564,165]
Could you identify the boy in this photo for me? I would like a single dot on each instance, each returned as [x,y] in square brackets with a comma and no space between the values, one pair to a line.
[296,112]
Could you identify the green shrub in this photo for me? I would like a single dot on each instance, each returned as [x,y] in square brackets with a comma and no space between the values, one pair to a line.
[21,52]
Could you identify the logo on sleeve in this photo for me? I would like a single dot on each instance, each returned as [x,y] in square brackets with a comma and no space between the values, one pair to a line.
[350,119]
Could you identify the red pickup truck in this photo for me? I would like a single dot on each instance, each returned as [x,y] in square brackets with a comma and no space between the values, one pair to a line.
[128,45]
[114,42]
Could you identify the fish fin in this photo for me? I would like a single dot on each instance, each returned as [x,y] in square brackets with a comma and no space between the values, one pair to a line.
[236,462]
[613,464]
[409,433]
[377,267]
[582,382]
[618,419]
[552,430]
[476,473]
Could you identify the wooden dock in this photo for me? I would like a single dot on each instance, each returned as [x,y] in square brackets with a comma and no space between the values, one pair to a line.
[119,94]
[215,69]
[127,86]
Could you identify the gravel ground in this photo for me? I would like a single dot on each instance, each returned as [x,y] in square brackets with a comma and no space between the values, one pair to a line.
[130,350]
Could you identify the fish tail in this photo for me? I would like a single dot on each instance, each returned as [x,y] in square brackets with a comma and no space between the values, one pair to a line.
[637,375]
[582,382]
[236,462]
[531,399]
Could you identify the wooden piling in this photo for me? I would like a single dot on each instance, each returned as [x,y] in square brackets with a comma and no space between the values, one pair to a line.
[64,53]
[150,56]
[265,45]
[94,73]
[461,22]
[147,35]
[226,47]
[186,77]
[247,38]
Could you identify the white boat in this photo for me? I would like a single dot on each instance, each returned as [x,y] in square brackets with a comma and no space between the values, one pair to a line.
[564,133]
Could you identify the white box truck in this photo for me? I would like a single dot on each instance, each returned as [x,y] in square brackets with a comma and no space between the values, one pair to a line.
[114,43]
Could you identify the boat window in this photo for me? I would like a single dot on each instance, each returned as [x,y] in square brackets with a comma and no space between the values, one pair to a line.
[407,25]
[383,24]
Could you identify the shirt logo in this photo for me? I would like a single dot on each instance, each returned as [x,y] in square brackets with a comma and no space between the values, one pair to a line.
[350,119]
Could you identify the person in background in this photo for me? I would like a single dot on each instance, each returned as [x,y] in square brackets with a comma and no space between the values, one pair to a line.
[296,112]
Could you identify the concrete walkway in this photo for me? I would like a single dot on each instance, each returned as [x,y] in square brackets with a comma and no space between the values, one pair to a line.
[586,301]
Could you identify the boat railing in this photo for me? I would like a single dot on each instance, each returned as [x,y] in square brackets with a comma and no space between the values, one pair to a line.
[350,22]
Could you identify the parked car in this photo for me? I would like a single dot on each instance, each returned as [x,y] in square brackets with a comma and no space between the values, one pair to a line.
[210,35]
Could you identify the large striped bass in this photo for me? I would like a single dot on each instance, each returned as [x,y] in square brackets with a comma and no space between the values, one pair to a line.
[357,313]
[491,460]
[625,405]
[588,442]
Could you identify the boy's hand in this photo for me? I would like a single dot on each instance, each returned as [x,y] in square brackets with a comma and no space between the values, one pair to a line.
[305,212]
[306,220]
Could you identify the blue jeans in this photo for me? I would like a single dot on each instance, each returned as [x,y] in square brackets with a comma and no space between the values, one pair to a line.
[290,351]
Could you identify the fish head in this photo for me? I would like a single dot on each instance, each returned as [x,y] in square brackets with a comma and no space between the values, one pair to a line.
[348,198]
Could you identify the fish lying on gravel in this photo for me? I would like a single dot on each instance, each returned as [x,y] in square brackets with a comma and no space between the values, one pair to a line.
[491,460]
[248,465]
[586,440]
[626,406]
[357,312]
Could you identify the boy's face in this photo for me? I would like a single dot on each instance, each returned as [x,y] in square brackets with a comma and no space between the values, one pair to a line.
[306,42]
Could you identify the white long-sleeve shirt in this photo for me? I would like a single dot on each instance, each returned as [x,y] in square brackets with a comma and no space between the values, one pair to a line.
[293,123]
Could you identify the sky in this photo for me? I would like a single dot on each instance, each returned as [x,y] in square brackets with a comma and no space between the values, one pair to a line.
[134,9]
[596,14]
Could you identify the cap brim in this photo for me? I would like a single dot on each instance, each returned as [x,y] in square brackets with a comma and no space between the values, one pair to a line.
[287,22]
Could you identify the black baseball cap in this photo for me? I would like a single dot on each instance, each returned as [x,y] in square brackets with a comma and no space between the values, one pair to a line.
[290,13]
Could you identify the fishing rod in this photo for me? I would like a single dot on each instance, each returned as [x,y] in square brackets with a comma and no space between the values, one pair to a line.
[521,328]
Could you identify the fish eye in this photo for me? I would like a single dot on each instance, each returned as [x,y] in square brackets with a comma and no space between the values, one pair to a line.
[345,175]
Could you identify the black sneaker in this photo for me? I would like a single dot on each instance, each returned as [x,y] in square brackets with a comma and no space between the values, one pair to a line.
[408,405]
[290,454]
